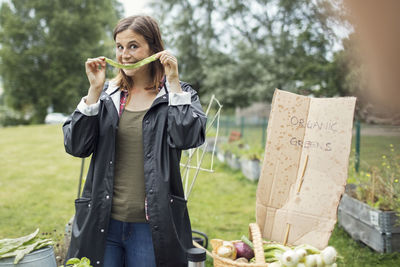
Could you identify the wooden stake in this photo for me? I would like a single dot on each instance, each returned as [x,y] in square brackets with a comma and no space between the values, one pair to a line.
[286,234]
[373,187]
[302,174]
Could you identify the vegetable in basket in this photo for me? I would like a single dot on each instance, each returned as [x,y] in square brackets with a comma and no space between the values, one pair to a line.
[276,254]
[273,252]
[329,255]
[300,256]
[290,258]
[224,249]
[247,241]
[243,250]
[242,259]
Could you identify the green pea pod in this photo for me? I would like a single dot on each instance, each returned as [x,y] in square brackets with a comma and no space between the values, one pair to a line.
[132,66]
[275,246]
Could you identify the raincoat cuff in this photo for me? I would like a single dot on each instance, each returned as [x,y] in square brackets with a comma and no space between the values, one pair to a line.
[183,98]
[88,110]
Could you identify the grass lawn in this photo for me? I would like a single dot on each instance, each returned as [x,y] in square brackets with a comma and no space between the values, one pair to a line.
[38,182]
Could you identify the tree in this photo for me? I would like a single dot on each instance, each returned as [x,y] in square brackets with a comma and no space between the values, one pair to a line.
[184,34]
[44,45]
[243,50]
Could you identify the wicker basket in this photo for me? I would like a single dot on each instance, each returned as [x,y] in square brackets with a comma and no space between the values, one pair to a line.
[255,236]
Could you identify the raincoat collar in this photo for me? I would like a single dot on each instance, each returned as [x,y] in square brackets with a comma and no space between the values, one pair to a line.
[115,93]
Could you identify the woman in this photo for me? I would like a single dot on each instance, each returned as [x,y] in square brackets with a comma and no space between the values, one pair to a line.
[132,211]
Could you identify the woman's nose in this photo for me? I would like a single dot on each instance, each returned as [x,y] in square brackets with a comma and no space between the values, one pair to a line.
[125,53]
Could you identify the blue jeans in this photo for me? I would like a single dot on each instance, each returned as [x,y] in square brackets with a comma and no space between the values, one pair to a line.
[129,245]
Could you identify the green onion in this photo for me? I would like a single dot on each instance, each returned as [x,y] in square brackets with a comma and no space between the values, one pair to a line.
[329,255]
[289,258]
[310,249]
[132,66]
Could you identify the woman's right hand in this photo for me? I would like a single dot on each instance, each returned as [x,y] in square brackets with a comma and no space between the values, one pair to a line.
[96,71]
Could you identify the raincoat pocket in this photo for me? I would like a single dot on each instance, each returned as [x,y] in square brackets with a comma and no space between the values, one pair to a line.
[82,208]
[178,213]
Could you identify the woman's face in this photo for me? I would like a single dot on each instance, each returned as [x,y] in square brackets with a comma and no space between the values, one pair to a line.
[131,47]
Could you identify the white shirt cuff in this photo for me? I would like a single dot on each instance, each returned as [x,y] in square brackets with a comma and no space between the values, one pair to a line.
[88,110]
[184,98]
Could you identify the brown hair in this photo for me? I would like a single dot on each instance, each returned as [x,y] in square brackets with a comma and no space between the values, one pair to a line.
[148,28]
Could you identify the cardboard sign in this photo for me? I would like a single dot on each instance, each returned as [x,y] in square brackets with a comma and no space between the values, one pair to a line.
[305,168]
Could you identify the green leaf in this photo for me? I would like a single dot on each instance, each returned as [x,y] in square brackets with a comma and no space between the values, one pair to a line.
[85,261]
[73,261]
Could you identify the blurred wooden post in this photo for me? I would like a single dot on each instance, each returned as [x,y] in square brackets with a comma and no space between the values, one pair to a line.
[357,154]
[227,125]
[264,130]
[242,126]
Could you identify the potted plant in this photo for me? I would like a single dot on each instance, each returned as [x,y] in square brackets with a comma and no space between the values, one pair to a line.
[369,210]
[251,162]
[233,152]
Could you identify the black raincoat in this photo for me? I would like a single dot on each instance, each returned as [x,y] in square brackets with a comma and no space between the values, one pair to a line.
[167,129]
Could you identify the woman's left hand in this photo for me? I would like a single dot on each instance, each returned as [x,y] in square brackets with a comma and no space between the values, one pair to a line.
[170,64]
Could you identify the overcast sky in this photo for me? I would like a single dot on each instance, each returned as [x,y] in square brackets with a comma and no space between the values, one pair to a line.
[134,7]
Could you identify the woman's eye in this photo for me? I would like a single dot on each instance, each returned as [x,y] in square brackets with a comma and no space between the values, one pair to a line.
[119,47]
[133,46]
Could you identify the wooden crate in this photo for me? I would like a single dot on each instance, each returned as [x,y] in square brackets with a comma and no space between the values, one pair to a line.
[377,229]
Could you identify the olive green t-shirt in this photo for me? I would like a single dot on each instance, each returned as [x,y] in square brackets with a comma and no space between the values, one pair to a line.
[129,190]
